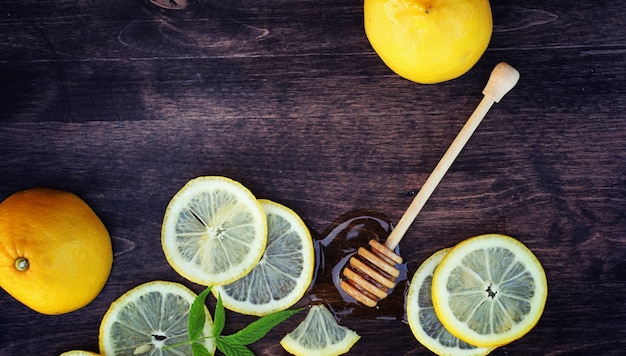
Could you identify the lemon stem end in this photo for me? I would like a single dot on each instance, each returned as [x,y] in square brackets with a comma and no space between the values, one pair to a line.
[21,264]
[422,6]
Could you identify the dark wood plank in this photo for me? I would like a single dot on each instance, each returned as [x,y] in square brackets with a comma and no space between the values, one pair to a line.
[122,103]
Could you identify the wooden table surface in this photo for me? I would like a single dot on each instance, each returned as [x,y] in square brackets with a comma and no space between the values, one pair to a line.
[122,102]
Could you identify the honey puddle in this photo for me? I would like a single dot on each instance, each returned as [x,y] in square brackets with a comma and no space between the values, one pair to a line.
[334,248]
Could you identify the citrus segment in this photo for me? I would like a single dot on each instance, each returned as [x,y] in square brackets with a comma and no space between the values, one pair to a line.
[55,253]
[319,334]
[79,353]
[428,41]
[148,318]
[283,274]
[489,290]
[214,231]
[423,320]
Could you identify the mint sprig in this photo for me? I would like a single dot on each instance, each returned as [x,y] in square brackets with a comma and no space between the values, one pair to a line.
[259,328]
[230,345]
[197,317]
[219,319]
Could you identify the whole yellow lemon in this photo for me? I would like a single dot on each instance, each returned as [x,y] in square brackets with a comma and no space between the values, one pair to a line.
[428,41]
[55,253]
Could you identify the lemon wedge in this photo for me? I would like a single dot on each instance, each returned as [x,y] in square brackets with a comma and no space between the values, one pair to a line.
[319,334]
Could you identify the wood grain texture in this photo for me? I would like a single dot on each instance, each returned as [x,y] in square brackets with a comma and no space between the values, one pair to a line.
[122,102]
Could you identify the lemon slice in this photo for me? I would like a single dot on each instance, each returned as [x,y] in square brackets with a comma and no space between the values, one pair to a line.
[214,231]
[489,290]
[148,318]
[79,353]
[423,320]
[319,335]
[285,271]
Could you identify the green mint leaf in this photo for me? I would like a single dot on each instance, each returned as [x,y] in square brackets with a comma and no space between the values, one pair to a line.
[199,350]
[232,349]
[197,316]
[259,328]
[220,317]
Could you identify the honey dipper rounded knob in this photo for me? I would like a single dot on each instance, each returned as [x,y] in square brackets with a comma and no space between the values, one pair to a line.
[371,273]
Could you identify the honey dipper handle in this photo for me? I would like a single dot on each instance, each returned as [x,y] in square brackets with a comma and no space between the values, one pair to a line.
[503,78]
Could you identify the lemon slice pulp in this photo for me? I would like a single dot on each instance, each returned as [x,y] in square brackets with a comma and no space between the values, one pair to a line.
[79,353]
[283,274]
[489,290]
[423,320]
[148,318]
[214,231]
[319,334]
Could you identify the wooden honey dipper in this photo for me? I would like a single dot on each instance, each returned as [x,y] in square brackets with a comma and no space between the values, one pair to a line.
[372,272]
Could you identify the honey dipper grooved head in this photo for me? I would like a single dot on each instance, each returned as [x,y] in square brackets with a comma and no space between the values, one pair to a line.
[371,273]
